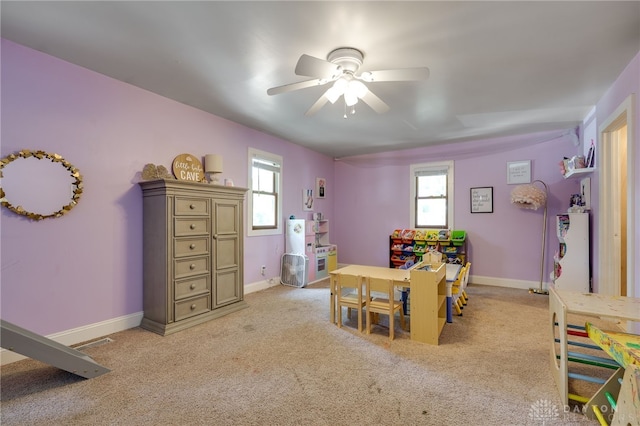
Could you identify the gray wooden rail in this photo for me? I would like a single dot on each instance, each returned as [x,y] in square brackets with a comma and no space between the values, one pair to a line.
[43,349]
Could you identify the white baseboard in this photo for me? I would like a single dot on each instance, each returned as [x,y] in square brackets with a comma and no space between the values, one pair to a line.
[261,285]
[505,282]
[265,284]
[82,334]
[104,328]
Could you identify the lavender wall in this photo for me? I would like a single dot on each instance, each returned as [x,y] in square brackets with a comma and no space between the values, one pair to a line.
[506,244]
[86,267]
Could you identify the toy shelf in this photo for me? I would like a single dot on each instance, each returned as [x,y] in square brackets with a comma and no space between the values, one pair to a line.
[411,244]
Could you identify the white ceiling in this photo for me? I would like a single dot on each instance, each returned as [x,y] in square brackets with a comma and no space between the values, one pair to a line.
[497,68]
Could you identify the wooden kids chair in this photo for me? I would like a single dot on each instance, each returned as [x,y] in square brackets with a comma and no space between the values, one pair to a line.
[463,284]
[349,295]
[457,291]
[385,305]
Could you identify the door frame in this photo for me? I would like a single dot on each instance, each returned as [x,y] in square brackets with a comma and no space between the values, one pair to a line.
[609,197]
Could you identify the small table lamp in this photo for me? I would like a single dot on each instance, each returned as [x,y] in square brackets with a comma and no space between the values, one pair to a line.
[213,166]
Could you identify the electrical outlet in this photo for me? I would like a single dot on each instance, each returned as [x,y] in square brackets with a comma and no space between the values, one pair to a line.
[262,269]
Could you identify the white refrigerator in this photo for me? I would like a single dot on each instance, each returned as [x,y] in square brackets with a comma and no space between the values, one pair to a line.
[295,236]
[299,240]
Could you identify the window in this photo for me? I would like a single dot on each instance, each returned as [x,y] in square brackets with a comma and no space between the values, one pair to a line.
[265,187]
[432,195]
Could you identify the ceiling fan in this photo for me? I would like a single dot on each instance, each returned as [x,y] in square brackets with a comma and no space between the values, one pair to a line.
[341,68]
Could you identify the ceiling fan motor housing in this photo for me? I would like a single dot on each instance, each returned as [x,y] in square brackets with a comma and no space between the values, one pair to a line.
[348,58]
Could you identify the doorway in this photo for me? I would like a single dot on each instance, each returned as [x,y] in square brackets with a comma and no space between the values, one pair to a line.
[616,206]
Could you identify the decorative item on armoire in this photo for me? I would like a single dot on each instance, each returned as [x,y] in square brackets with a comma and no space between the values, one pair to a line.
[151,171]
[212,167]
[531,197]
[36,189]
[188,167]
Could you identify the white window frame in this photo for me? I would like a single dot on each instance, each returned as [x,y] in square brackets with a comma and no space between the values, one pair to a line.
[415,169]
[256,153]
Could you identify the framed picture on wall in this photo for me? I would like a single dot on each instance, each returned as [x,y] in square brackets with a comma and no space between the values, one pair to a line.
[518,172]
[321,187]
[307,200]
[482,200]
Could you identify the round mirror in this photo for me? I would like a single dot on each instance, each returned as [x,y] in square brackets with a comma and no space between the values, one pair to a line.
[39,185]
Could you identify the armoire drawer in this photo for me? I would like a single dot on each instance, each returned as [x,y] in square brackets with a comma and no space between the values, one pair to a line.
[185,227]
[190,246]
[192,287]
[191,206]
[191,307]
[191,266]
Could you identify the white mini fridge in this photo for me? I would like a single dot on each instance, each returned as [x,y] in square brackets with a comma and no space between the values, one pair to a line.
[295,236]
[294,270]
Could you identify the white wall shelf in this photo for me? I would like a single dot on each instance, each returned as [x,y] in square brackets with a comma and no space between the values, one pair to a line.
[579,172]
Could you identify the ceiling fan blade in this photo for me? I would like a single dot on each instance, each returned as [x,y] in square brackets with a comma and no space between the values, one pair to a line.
[295,86]
[314,67]
[375,102]
[322,100]
[404,74]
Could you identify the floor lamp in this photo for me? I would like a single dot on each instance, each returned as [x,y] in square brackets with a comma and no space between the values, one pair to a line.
[531,197]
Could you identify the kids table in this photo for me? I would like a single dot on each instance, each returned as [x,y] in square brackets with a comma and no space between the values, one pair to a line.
[428,295]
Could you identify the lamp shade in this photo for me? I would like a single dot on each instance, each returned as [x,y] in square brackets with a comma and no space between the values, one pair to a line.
[528,197]
[213,163]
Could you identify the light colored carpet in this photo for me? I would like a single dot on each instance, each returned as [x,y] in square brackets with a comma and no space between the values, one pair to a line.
[281,362]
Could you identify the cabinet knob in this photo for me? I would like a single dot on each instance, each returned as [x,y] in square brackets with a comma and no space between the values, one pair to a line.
[192,266]
[215,236]
[193,286]
[193,306]
[192,206]
[192,226]
[192,246]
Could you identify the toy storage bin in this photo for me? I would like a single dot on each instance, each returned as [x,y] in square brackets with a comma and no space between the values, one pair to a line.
[421,235]
[458,237]
[397,247]
[443,235]
[407,236]
[432,234]
[450,249]
[420,247]
[399,260]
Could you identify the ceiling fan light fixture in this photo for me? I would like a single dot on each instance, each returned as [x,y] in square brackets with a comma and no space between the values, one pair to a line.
[332,94]
[358,88]
[350,98]
[336,90]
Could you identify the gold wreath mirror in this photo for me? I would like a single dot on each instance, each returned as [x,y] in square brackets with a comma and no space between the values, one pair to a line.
[36,188]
